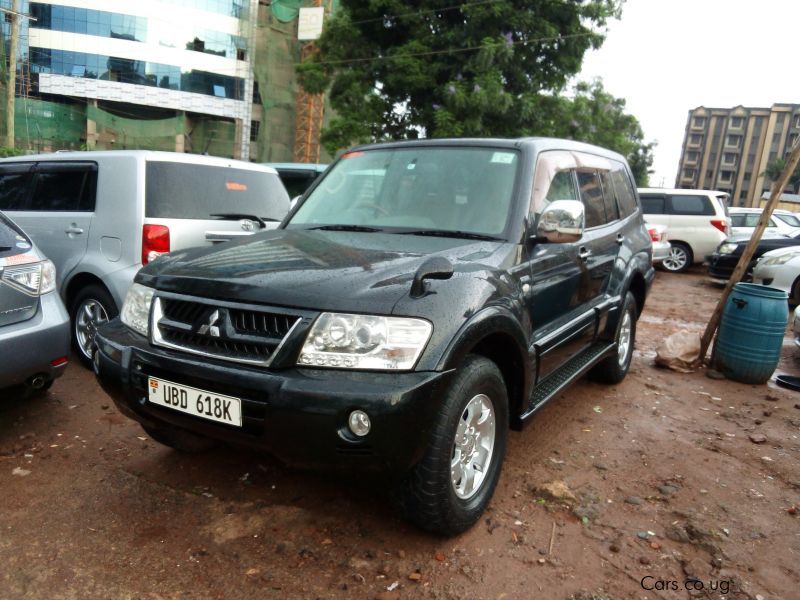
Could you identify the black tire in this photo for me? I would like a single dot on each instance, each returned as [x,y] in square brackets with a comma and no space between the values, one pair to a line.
[794,296]
[614,368]
[179,439]
[427,495]
[680,258]
[100,302]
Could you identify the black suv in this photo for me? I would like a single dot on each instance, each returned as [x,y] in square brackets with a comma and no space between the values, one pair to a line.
[420,300]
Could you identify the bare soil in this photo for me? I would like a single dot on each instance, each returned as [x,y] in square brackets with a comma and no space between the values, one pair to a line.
[655,485]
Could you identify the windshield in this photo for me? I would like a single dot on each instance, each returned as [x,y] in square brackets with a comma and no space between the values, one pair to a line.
[451,189]
[196,191]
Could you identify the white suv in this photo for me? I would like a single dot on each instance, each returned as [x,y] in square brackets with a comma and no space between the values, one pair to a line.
[697,221]
[744,221]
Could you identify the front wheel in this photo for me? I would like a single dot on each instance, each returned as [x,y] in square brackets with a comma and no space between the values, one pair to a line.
[679,258]
[449,489]
[613,369]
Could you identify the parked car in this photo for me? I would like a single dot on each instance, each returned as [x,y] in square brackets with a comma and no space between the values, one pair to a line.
[725,258]
[100,216]
[780,269]
[34,326]
[796,326]
[744,221]
[298,177]
[401,322]
[661,245]
[697,221]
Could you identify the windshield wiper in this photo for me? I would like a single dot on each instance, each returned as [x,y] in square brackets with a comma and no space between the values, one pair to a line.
[469,235]
[361,228]
[262,221]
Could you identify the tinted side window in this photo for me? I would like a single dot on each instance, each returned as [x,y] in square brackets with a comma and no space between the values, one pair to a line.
[609,197]
[652,205]
[13,190]
[562,187]
[67,189]
[691,205]
[737,220]
[592,197]
[624,190]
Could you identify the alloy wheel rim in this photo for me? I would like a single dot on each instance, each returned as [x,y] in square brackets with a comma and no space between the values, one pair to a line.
[624,343]
[473,447]
[89,316]
[676,259]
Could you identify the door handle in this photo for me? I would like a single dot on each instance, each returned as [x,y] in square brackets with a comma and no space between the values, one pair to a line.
[620,238]
[584,253]
[73,229]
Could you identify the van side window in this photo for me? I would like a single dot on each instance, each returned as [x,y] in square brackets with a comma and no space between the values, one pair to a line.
[626,198]
[592,196]
[66,190]
[13,188]
[652,205]
[609,196]
[562,187]
[690,205]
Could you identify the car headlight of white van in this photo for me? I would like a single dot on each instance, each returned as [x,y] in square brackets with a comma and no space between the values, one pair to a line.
[778,260]
[136,308]
[727,248]
[33,279]
[345,341]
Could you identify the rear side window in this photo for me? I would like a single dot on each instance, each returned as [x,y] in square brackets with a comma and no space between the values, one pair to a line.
[626,198]
[790,220]
[592,196]
[13,190]
[652,205]
[196,191]
[609,197]
[690,205]
[737,220]
[64,189]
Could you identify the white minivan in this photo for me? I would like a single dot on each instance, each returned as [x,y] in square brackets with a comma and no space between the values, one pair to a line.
[100,216]
[697,221]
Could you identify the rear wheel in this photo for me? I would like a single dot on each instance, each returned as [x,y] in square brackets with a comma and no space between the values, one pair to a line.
[794,297]
[613,369]
[449,489]
[679,258]
[92,307]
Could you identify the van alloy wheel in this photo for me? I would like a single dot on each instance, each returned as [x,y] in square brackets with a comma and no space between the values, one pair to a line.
[88,317]
[677,260]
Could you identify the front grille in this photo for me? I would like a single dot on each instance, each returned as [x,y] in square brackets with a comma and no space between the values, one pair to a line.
[237,334]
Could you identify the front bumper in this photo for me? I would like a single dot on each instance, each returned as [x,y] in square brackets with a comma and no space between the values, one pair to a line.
[721,266]
[29,347]
[299,415]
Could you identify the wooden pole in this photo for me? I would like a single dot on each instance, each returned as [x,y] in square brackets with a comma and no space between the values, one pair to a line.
[12,73]
[747,255]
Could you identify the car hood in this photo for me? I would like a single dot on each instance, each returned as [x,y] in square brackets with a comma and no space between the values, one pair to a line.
[319,270]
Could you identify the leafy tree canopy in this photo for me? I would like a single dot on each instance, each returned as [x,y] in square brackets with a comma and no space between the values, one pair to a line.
[776,167]
[399,69]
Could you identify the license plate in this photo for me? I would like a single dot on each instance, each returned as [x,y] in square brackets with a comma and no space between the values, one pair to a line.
[200,403]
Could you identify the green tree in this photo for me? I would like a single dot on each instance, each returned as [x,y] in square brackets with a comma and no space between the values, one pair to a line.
[776,167]
[403,69]
[397,70]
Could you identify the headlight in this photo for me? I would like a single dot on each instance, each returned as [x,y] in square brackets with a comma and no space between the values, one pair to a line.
[341,341]
[136,308]
[33,279]
[778,260]
[727,248]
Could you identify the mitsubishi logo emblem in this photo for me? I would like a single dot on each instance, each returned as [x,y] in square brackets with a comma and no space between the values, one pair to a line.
[210,326]
[248,225]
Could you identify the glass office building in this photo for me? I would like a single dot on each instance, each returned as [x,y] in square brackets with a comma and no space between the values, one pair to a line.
[178,70]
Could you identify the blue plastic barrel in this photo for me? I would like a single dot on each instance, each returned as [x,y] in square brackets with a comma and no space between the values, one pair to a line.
[751,332]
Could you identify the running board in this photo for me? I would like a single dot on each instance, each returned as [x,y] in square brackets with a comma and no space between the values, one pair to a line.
[574,369]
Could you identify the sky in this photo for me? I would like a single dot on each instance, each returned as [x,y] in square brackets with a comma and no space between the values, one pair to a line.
[665,57]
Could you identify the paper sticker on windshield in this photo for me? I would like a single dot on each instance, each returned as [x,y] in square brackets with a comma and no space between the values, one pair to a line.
[235,186]
[504,158]
[18,259]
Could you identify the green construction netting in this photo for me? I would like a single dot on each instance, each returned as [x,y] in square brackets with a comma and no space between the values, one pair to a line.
[286,10]
[211,136]
[115,132]
[40,125]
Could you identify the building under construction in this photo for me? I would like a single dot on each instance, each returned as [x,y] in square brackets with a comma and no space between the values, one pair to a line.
[202,76]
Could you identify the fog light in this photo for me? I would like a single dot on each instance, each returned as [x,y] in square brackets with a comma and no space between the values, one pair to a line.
[359,423]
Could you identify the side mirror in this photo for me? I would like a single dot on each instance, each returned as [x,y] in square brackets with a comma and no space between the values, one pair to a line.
[562,221]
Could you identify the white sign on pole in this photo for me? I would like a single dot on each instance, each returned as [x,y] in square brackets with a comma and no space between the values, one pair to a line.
[309,24]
